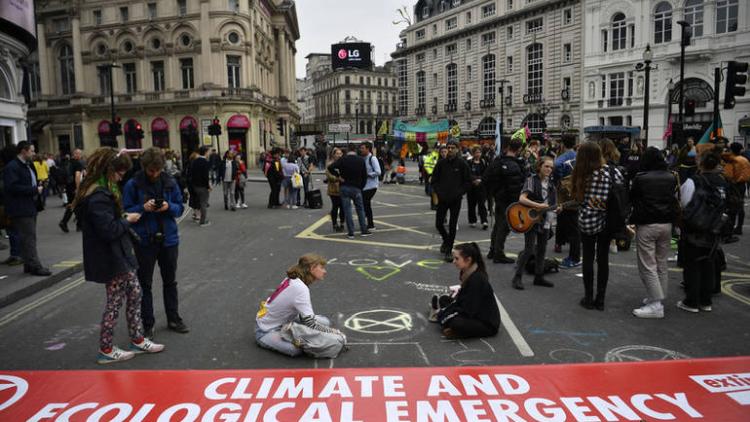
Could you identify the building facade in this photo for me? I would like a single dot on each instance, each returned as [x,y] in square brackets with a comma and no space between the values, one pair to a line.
[616,36]
[361,98]
[452,58]
[16,43]
[178,64]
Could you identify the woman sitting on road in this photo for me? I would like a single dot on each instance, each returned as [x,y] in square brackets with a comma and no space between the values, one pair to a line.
[290,302]
[108,251]
[473,311]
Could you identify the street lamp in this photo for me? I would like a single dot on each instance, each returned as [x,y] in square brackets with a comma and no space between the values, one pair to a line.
[648,55]
[109,68]
[684,42]
[670,92]
[502,83]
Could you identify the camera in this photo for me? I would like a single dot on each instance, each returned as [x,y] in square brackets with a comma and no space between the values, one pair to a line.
[158,203]
[157,238]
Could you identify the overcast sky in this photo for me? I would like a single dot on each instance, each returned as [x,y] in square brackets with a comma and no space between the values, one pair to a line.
[325,22]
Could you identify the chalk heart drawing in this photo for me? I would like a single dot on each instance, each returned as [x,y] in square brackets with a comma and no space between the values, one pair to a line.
[432,264]
[379,321]
[378,272]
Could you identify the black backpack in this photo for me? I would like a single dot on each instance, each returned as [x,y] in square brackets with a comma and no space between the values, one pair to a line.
[382,167]
[618,204]
[551,265]
[705,213]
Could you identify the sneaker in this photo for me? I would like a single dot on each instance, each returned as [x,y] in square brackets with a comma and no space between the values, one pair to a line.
[206,224]
[484,226]
[433,316]
[472,225]
[178,326]
[116,355]
[294,207]
[706,308]
[672,258]
[569,263]
[63,227]
[366,233]
[350,235]
[517,283]
[613,248]
[145,346]
[434,302]
[654,310]
[684,307]
[244,205]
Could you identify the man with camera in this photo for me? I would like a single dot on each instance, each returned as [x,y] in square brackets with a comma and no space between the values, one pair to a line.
[157,197]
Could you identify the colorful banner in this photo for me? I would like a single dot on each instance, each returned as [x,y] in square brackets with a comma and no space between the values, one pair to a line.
[706,389]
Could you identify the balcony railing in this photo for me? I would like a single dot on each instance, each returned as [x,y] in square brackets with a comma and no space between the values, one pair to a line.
[60,102]
[419,111]
[451,106]
[182,94]
[98,100]
[487,103]
[153,96]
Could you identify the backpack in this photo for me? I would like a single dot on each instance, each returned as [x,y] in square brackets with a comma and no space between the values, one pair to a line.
[382,168]
[551,265]
[705,213]
[618,204]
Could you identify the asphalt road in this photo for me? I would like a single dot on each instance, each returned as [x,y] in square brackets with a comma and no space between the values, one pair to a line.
[377,290]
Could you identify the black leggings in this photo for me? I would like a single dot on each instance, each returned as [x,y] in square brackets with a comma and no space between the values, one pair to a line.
[336,210]
[599,244]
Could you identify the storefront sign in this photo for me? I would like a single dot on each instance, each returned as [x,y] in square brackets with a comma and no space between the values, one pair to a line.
[709,390]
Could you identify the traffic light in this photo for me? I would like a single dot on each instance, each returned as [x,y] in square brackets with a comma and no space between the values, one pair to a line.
[736,79]
[280,126]
[138,131]
[214,129]
[116,129]
[690,105]
[687,33]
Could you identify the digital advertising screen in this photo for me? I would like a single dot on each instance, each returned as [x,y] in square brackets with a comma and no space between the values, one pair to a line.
[355,55]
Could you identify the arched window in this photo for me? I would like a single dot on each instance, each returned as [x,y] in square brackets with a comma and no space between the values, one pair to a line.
[694,16]
[726,16]
[488,77]
[4,86]
[619,32]
[67,70]
[535,69]
[663,23]
[536,123]
[421,90]
[487,127]
[451,83]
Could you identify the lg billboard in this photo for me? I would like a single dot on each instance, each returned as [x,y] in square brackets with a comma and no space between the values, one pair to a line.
[351,55]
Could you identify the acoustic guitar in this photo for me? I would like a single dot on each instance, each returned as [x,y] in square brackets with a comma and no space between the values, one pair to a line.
[522,218]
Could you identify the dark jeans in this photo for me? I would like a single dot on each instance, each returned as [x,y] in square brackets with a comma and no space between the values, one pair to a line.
[147,257]
[273,197]
[535,244]
[348,194]
[306,184]
[336,211]
[699,273]
[476,200]
[740,220]
[239,193]
[595,244]
[202,194]
[443,207]
[500,231]
[367,199]
[15,242]
[25,228]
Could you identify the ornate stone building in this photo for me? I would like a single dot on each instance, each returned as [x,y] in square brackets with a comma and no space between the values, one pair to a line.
[451,59]
[178,64]
[616,36]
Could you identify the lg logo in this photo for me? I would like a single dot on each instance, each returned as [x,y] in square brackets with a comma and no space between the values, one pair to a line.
[13,386]
[344,53]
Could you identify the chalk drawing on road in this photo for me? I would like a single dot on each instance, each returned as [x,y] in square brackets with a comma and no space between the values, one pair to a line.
[638,353]
[378,273]
[727,287]
[377,346]
[59,340]
[379,321]
[571,356]
[432,288]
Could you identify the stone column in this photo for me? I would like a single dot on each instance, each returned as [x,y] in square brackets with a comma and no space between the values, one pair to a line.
[281,62]
[206,73]
[77,58]
[45,69]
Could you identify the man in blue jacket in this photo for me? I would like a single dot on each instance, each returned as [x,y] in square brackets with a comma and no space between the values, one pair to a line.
[21,193]
[157,197]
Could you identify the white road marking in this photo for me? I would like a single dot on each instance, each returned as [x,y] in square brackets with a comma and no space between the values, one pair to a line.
[513,332]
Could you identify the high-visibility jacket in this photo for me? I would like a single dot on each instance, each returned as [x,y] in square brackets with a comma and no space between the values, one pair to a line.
[430,161]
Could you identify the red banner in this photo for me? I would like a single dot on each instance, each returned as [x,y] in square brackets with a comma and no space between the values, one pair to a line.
[708,389]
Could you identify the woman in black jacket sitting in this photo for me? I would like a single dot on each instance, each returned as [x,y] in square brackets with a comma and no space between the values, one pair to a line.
[473,311]
[108,256]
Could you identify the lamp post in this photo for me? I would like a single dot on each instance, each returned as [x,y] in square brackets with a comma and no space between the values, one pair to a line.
[670,91]
[684,41]
[647,57]
[502,83]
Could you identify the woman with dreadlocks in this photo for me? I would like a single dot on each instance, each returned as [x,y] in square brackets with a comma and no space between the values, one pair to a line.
[108,256]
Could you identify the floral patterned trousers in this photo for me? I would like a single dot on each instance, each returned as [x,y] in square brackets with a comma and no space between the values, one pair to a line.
[124,287]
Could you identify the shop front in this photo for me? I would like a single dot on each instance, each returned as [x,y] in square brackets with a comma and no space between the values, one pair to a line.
[132,141]
[237,128]
[106,139]
[160,133]
[189,141]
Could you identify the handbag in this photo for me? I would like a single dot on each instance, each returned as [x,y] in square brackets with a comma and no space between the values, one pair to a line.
[297,181]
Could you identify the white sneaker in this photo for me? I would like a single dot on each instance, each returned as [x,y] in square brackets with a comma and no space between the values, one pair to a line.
[116,355]
[238,205]
[651,310]
[687,308]
[244,205]
[613,248]
[473,224]
[706,308]
[146,346]
[294,207]
[433,316]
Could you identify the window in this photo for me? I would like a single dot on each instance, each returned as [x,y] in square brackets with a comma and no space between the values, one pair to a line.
[451,23]
[97,17]
[487,126]
[434,79]
[188,77]
[61,25]
[420,34]
[434,29]
[630,84]
[567,85]
[442,6]
[35,81]
[565,121]
[663,23]
[67,70]
[616,89]
[368,83]
[510,4]
[421,90]
[488,10]
[604,86]
[509,64]
[535,122]
[605,40]
[234,6]
[347,80]
[468,73]
[567,16]
[694,16]
[127,47]
[380,82]
[233,37]
[450,50]
[619,33]
[468,43]
[534,25]
[726,16]
[152,10]
[488,38]
[451,83]
[155,43]
[233,71]
[131,83]
[102,75]
[124,14]
[425,12]
[157,71]
[509,32]
[182,7]
[455,3]
[509,94]
[535,71]
[488,77]
[186,40]
[468,18]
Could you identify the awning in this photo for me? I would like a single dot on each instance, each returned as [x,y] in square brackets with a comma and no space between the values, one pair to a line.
[159,125]
[745,123]
[131,124]
[630,130]
[103,128]
[238,121]
[187,121]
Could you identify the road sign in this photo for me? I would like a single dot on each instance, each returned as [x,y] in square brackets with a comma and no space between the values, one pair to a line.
[339,128]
